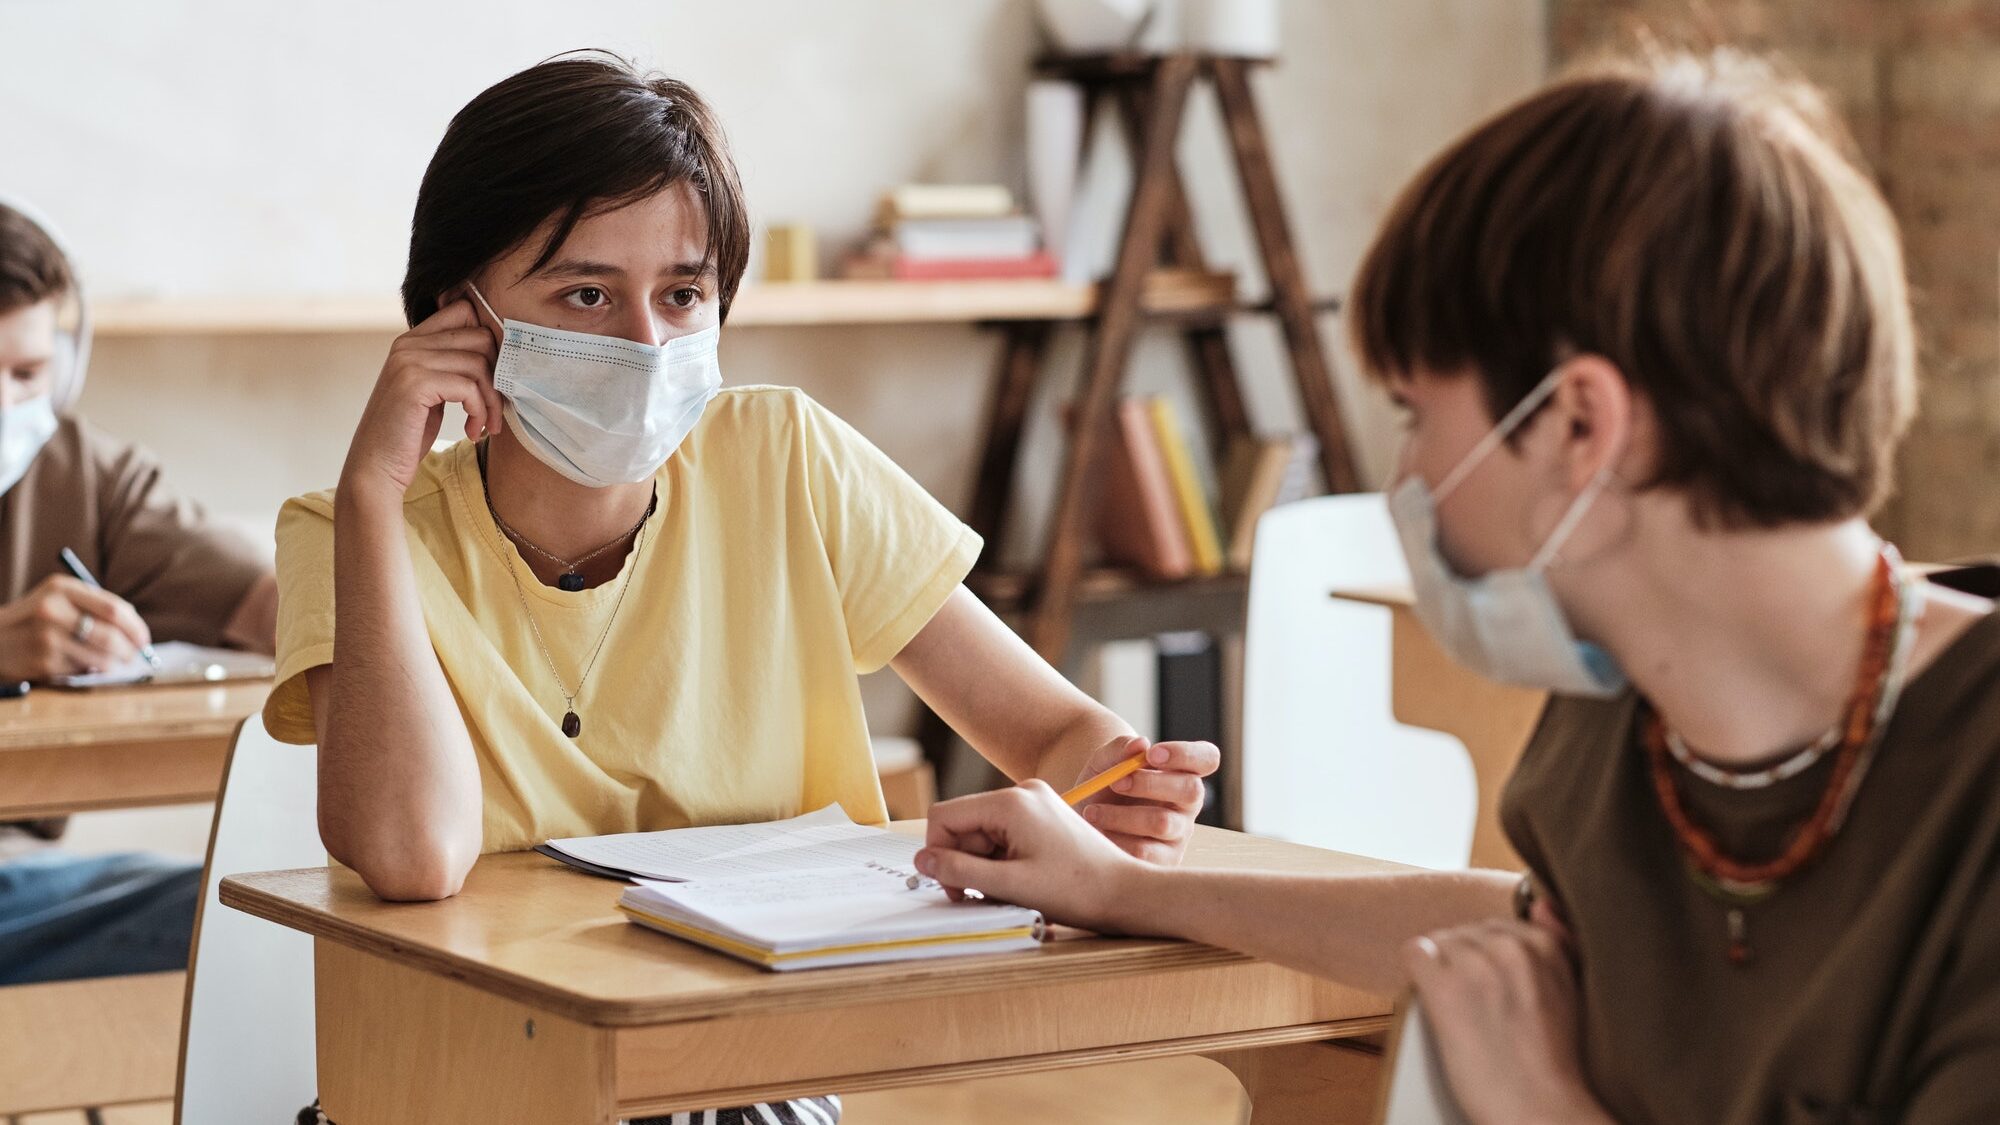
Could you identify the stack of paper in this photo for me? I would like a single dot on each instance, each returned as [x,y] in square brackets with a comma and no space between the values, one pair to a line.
[813,891]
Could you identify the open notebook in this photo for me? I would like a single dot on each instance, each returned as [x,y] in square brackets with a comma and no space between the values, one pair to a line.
[813,891]
[180,663]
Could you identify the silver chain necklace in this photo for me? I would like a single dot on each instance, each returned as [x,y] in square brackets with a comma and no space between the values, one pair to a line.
[572,723]
[571,578]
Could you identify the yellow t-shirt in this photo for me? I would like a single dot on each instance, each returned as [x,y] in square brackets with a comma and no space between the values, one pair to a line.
[787,556]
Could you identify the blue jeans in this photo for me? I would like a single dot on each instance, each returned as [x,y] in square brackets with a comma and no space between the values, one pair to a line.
[65,917]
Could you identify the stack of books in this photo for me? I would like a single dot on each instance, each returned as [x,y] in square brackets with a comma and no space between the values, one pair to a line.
[1155,514]
[940,232]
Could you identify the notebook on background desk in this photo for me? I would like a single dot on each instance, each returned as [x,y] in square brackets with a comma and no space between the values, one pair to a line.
[814,891]
[180,663]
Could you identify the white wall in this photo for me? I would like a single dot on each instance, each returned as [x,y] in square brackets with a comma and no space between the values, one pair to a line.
[243,148]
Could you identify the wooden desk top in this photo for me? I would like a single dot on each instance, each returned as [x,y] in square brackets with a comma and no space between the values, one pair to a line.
[51,717]
[530,929]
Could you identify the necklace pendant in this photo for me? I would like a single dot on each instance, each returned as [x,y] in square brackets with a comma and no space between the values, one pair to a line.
[572,726]
[1739,939]
[569,581]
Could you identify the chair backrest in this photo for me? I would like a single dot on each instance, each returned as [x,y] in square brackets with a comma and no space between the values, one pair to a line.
[1324,761]
[247,1038]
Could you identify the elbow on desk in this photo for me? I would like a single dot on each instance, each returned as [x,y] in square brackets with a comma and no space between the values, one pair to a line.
[410,870]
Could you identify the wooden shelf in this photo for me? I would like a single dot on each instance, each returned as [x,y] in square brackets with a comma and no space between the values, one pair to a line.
[776,304]
[1009,592]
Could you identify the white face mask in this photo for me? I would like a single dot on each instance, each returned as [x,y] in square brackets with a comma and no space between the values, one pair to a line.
[601,410]
[1506,624]
[25,428]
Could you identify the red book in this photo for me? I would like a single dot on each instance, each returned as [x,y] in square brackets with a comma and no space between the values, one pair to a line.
[1038,264]
[1138,520]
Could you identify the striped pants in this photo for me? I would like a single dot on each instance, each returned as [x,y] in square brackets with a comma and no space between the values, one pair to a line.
[799,1111]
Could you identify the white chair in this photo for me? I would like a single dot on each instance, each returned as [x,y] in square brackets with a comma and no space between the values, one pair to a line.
[1324,761]
[247,1040]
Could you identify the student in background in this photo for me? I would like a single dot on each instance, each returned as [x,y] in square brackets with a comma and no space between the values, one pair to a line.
[634,599]
[1651,334]
[167,573]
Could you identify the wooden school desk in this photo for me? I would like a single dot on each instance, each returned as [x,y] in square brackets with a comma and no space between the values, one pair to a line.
[528,998]
[111,1039]
[114,748]
[1427,688]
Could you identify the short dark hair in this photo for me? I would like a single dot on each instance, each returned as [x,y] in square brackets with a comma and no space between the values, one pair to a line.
[32,266]
[576,134]
[1701,222]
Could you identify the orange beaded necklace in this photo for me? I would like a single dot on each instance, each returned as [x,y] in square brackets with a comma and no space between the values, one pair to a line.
[1738,883]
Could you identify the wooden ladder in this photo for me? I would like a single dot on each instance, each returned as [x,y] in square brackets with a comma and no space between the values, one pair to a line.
[1150,94]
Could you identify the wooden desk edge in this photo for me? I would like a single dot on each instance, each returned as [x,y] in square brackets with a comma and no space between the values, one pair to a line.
[1360,1034]
[941,978]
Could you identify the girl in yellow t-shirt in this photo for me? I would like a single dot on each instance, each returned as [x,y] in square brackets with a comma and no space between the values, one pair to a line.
[633,599]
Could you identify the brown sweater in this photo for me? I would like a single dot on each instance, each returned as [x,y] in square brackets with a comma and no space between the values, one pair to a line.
[1873,994]
[104,499]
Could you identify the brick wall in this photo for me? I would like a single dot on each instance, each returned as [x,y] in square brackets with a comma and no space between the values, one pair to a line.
[1919,81]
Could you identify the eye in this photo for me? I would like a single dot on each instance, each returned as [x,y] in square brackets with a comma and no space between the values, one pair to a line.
[685,297]
[588,297]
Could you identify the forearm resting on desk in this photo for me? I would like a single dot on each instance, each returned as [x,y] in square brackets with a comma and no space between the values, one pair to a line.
[1349,928]
[399,790]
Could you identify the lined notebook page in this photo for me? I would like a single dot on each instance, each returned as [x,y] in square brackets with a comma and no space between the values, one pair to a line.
[815,841]
[794,909]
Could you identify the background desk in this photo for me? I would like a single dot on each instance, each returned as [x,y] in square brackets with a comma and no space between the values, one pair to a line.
[113,748]
[112,1039]
[1427,688]
[528,998]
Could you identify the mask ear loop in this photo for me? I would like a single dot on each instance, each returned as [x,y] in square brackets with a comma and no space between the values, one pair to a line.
[481,298]
[1507,425]
[1578,508]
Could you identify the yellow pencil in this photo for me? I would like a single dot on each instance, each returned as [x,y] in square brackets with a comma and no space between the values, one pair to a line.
[1091,788]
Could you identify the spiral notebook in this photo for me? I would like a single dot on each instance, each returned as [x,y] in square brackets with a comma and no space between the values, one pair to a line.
[811,892]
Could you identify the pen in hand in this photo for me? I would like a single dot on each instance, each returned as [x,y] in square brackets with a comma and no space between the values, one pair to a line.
[82,574]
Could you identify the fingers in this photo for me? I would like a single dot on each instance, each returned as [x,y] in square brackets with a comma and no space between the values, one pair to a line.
[972,823]
[1197,758]
[1115,751]
[476,340]
[113,636]
[1183,791]
[1160,853]
[106,608]
[456,313]
[463,349]
[1153,822]
[958,871]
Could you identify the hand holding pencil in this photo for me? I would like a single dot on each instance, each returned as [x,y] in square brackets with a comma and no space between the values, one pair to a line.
[1145,796]
[1029,845]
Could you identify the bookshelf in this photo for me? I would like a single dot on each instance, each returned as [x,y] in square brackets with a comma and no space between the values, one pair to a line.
[1181,296]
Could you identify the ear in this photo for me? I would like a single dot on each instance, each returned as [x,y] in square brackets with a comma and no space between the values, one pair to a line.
[1598,408]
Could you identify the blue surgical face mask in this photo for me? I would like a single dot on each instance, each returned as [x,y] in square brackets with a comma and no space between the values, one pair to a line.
[25,428]
[602,410]
[1506,624]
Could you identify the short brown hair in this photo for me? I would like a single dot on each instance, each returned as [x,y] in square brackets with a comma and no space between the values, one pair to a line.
[576,134]
[1702,223]
[32,266]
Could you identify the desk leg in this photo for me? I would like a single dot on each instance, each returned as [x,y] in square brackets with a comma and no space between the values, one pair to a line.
[399,1045]
[1297,1083]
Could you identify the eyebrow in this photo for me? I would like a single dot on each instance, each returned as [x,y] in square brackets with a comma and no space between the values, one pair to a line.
[570,268]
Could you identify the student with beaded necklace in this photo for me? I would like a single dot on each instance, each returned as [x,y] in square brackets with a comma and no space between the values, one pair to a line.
[1650,331]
